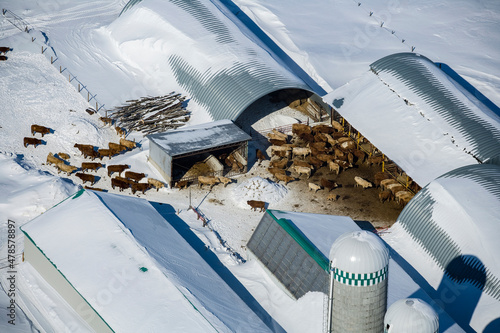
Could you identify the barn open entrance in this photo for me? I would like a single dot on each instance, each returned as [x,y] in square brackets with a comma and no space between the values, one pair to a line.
[285,106]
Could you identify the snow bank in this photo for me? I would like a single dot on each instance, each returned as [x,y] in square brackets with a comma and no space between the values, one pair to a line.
[258,188]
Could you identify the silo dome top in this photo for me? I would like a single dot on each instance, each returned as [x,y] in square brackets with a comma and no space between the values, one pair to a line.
[359,252]
[411,315]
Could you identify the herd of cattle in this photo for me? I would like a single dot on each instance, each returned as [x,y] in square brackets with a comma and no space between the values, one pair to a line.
[60,161]
[310,148]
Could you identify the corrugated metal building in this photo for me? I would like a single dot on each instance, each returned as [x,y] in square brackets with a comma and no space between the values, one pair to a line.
[281,244]
[229,67]
[174,153]
[454,222]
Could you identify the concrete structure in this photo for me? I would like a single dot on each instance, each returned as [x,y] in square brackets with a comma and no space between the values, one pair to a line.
[175,152]
[411,315]
[359,263]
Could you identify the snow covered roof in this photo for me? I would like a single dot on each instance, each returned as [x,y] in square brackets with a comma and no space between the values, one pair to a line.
[449,232]
[406,99]
[102,240]
[225,69]
[191,139]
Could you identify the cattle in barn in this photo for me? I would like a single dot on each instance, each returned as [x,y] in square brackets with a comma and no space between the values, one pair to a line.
[120,131]
[385,195]
[320,146]
[207,180]
[316,162]
[86,177]
[338,153]
[359,155]
[322,129]
[347,145]
[106,153]
[134,175]
[282,163]
[338,135]
[32,141]
[343,164]
[106,120]
[375,160]
[395,188]
[332,197]
[325,157]
[302,163]
[338,126]
[306,137]
[155,183]
[119,183]
[182,184]
[279,137]
[301,128]
[320,137]
[260,156]
[385,182]
[403,197]
[275,150]
[331,140]
[284,178]
[225,180]
[254,204]
[91,165]
[5,49]
[116,147]
[142,187]
[362,182]
[334,167]
[40,129]
[379,176]
[300,151]
[64,156]
[127,143]
[66,168]
[350,158]
[314,187]
[328,184]
[302,170]
[117,168]
[274,171]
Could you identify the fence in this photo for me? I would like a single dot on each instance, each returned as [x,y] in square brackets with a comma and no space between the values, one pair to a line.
[46,49]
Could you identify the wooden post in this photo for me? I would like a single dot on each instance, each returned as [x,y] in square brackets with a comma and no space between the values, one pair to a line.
[51,60]
[33,39]
[79,87]
[88,97]
[96,108]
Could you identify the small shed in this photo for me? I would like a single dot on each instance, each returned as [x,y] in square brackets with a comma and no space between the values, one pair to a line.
[219,148]
[282,244]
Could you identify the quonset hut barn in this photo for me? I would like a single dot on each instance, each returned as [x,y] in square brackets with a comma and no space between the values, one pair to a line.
[200,150]
[137,274]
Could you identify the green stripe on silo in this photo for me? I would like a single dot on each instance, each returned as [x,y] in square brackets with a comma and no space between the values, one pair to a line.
[361,280]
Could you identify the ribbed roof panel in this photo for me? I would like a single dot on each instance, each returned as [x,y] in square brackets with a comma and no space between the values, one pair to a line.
[422,77]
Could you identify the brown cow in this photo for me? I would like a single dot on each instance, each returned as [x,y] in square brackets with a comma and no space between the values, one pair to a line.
[86,177]
[65,168]
[274,171]
[281,164]
[106,120]
[64,156]
[3,58]
[106,153]
[143,187]
[379,176]
[32,141]
[127,143]
[120,131]
[328,184]
[39,129]
[117,147]
[126,180]
[134,175]
[385,195]
[155,183]
[225,180]
[91,165]
[207,180]
[5,49]
[117,168]
[284,178]
[301,128]
[257,204]
[182,184]
[119,183]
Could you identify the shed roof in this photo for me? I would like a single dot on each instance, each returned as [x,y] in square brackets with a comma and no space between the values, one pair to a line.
[195,138]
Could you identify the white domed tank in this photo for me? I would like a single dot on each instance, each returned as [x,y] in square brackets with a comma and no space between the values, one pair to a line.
[411,315]
[359,264]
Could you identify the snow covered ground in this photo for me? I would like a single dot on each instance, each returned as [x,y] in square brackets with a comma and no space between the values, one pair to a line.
[333,42]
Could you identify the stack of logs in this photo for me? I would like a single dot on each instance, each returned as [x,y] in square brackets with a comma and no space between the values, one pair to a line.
[152,114]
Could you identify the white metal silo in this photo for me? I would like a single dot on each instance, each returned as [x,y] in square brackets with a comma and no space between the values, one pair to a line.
[411,315]
[358,288]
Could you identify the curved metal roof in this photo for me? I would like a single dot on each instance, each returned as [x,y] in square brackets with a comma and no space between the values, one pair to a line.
[460,111]
[467,197]
[411,315]
[227,70]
